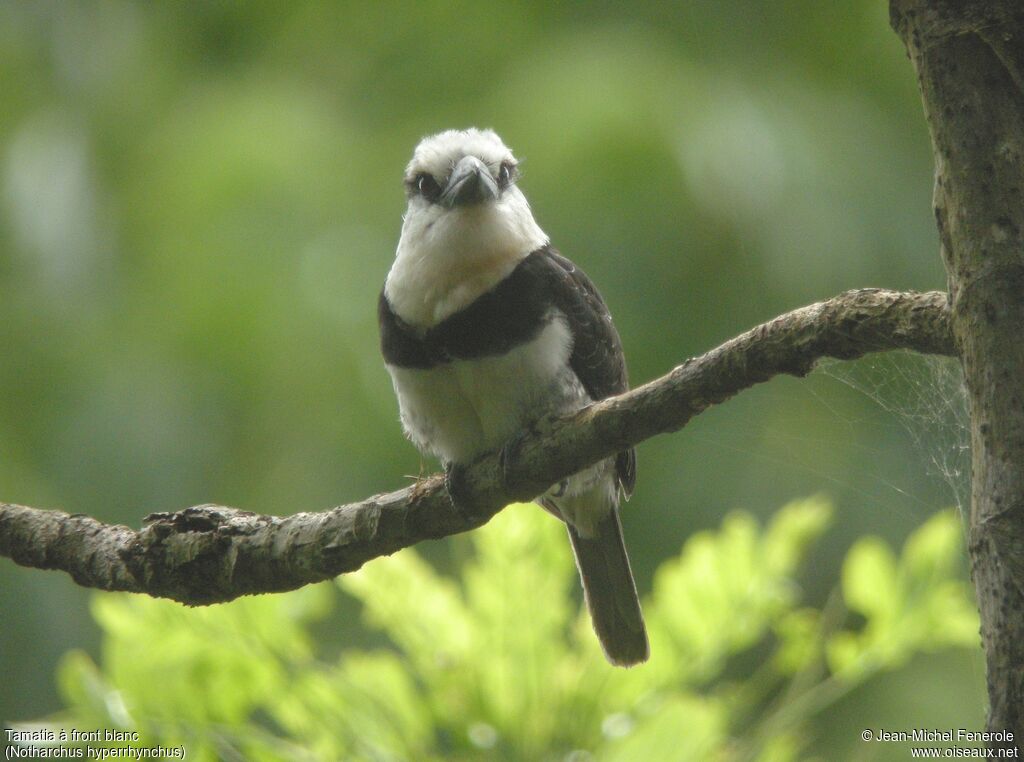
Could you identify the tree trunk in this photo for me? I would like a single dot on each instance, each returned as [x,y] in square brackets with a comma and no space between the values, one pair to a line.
[969,58]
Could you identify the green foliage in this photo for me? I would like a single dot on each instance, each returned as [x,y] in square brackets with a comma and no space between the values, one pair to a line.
[501,662]
[910,604]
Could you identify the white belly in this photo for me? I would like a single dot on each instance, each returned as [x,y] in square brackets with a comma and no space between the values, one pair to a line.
[462,409]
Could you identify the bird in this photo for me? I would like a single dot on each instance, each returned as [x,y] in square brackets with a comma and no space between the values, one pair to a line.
[486,328]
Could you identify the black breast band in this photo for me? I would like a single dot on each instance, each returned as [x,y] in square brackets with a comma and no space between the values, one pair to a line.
[512,313]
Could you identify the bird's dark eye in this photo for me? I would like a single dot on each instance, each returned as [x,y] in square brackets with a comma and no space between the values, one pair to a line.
[427,186]
[505,174]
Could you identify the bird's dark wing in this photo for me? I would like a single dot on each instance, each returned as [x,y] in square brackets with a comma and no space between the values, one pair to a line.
[597,356]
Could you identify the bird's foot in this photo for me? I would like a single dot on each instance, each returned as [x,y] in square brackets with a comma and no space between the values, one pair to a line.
[455,483]
[507,455]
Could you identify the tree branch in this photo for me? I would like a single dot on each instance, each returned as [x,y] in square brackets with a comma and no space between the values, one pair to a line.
[209,554]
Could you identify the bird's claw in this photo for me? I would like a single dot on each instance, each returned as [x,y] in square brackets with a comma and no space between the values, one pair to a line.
[508,453]
[455,483]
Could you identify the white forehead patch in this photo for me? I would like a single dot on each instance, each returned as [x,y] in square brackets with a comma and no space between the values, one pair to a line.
[438,153]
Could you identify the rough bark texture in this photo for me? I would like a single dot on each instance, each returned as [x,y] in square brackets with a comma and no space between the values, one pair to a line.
[969,58]
[209,554]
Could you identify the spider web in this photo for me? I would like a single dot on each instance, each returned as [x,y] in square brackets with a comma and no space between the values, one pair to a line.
[926,395]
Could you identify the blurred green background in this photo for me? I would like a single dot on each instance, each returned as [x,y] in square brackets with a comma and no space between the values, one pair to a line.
[199,203]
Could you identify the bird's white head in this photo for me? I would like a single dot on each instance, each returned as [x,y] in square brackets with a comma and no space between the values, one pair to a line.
[466,227]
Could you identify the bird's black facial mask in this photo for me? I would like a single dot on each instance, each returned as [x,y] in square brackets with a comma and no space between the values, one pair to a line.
[469,183]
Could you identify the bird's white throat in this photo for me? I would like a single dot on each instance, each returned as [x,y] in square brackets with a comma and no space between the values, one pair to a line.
[447,258]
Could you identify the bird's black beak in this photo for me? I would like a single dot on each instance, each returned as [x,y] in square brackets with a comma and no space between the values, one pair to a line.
[470,183]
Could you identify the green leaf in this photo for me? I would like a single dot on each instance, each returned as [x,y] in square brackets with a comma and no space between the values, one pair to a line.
[422,613]
[919,602]
[798,634]
[85,690]
[725,589]
[933,550]
[792,530]
[657,735]
[870,584]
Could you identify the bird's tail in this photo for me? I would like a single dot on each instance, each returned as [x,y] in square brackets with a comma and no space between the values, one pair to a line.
[610,591]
